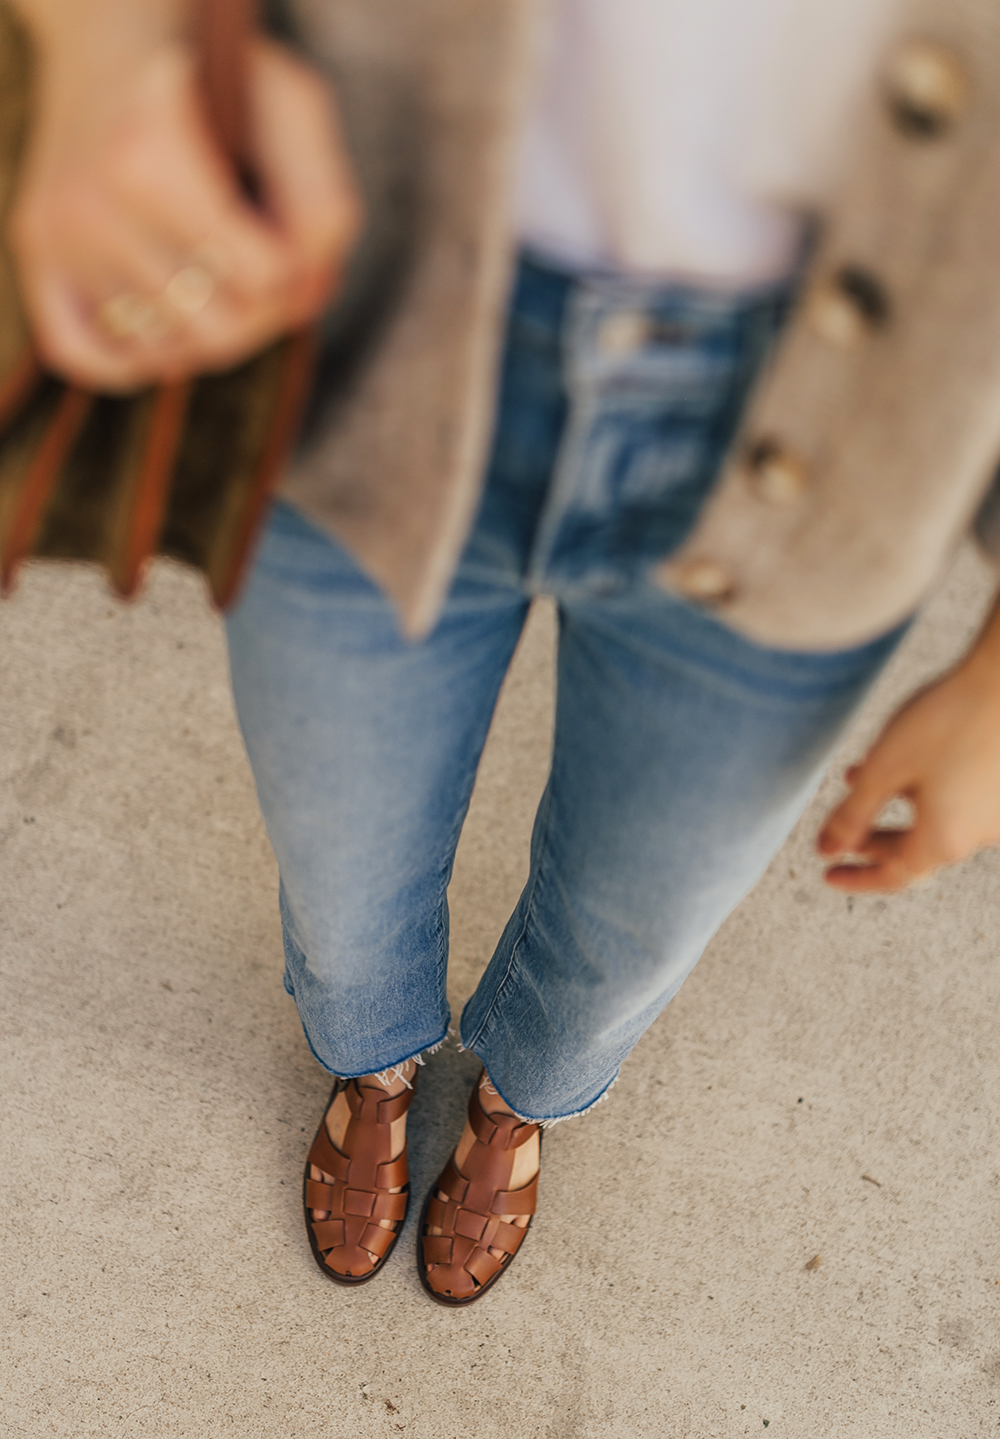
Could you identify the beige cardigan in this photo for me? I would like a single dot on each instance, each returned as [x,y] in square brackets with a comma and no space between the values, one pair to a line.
[872,439]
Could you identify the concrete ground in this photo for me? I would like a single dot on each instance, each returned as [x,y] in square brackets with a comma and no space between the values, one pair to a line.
[827,1083]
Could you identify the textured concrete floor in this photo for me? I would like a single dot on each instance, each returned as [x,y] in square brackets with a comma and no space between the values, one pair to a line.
[158,1098]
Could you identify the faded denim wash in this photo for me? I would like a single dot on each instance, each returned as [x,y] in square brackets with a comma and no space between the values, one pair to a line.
[683,753]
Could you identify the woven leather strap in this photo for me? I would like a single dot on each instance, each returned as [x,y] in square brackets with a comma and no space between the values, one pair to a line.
[363,1174]
[477,1195]
[501,1131]
[373,1107]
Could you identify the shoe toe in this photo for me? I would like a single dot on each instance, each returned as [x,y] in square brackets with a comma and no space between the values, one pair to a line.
[451,1281]
[350,1261]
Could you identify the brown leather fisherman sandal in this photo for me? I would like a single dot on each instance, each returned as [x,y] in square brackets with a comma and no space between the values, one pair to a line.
[456,1266]
[351,1246]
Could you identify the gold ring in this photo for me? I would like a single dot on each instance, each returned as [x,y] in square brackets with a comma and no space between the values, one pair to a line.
[148,318]
[190,289]
[129,316]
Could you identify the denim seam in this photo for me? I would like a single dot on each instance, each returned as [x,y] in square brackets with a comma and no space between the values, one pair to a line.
[440,948]
[527,916]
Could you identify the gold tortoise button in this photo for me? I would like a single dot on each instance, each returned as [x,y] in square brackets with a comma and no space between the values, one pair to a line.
[848,306]
[928,88]
[776,475]
[704,581]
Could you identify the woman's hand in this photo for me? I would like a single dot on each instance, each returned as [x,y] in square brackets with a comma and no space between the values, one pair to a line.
[139,257]
[941,752]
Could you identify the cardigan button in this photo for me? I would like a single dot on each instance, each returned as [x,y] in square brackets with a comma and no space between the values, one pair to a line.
[848,306]
[623,333]
[776,475]
[928,88]
[704,581]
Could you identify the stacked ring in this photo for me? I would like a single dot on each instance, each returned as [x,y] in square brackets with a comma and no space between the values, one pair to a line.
[129,316]
[190,289]
[148,318]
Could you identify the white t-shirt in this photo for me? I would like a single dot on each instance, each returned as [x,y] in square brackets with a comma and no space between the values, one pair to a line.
[687,138]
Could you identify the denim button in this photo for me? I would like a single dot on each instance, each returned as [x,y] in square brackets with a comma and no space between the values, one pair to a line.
[623,333]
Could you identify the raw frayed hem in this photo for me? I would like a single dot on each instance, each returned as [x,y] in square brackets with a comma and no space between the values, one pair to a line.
[559,1118]
[392,1072]
[577,1113]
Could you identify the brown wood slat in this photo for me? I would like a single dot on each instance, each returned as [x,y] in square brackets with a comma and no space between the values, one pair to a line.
[41,480]
[17,387]
[19,445]
[147,503]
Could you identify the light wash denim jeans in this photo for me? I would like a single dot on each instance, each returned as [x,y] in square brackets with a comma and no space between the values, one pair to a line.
[683,752]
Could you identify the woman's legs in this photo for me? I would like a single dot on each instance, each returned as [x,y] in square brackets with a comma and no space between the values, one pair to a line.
[683,753]
[683,756]
[364,748]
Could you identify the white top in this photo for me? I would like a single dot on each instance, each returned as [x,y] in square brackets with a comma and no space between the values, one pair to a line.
[687,138]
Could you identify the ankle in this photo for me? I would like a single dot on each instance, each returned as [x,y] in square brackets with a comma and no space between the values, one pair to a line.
[393,1080]
[490,1098]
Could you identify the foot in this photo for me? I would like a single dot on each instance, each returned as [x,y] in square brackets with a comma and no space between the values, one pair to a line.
[343,1236]
[526,1159]
[480,1169]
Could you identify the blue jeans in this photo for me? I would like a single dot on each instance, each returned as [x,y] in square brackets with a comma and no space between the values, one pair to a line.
[683,753]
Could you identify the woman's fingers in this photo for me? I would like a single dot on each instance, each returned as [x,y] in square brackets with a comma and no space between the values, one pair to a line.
[309,188]
[163,170]
[941,752]
[882,860]
[942,833]
[67,342]
[185,194]
[889,860]
[139,255]
[873,785]
[137,335]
